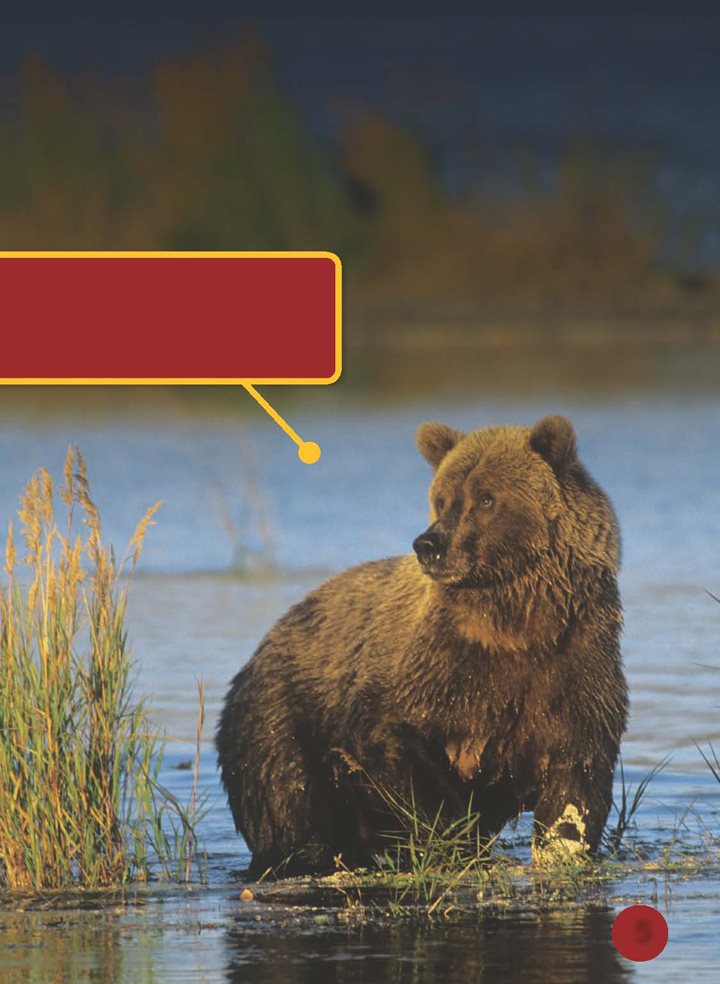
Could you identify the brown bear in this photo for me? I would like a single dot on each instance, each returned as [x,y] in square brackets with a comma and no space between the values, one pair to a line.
[482,671]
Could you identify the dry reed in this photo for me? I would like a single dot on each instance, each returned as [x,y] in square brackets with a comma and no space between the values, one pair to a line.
[80,801]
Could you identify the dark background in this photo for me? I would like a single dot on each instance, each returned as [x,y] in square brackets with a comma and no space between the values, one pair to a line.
[530,191]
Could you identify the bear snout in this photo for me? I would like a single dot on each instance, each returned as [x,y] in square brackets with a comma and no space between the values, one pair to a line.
[431,549]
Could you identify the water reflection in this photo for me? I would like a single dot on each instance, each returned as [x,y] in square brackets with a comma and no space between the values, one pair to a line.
[78,945]
[559,947]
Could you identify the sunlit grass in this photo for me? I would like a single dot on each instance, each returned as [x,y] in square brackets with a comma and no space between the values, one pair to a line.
[80,800]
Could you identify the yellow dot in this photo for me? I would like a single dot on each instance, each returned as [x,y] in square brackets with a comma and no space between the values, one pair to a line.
[309,452]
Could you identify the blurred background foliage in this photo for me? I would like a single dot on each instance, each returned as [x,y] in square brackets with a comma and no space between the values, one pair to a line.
[207,155]
[207,151]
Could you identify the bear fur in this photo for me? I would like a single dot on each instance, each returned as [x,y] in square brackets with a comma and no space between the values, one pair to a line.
[483,671]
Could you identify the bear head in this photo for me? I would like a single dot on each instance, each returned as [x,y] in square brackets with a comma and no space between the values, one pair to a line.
[495,500]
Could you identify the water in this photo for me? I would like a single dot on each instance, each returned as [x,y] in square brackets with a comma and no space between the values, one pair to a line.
[233,493]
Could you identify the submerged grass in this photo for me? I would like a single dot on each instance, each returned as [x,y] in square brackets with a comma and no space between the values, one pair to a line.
[80,800]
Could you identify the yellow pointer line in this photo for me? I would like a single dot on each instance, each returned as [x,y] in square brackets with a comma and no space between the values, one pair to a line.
[308,451]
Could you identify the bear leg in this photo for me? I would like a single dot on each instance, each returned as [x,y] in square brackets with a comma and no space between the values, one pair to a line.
[570,814]
[281,794]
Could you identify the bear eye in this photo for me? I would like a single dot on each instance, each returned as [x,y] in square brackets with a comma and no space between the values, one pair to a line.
[439,504]
[486,500]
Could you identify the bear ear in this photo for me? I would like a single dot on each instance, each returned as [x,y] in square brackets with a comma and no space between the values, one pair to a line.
[554,440]
[435,440]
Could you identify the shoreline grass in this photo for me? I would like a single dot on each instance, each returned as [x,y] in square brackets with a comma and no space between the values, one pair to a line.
[80,800]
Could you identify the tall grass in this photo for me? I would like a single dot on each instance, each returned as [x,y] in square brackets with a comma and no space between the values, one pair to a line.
[711,760]
[80,802]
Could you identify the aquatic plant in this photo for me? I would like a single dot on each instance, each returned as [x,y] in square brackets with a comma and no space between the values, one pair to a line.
[80,801]
[431,867]
[430,857]
[626,809]
[434,870]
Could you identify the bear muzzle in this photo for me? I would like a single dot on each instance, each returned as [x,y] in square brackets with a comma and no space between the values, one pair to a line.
[431,549]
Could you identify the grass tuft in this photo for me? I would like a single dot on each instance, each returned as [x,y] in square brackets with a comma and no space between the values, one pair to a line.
[436,868]
[627,807]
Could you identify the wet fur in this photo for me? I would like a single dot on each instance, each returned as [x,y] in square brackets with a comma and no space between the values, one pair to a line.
[503,682]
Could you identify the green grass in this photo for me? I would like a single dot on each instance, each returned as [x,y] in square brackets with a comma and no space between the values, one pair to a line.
[431,858]
[80,800]
[627,808]
[437,869]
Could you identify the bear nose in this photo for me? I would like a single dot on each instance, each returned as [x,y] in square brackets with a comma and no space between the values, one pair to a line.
[429,547]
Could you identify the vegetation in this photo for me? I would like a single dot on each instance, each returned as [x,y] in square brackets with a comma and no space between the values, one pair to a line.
[626,809]
[440,870]
[80,800]
[207,152]
[432,858]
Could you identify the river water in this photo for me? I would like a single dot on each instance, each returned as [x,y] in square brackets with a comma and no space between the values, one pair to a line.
[245,530]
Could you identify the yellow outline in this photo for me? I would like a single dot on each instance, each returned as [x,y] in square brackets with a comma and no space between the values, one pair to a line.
[282,423]
[187,380]
[308,451]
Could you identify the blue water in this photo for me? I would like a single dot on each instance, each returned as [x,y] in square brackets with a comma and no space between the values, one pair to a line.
[245,530]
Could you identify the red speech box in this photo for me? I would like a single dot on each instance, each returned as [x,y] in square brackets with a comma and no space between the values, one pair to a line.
[158,317]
